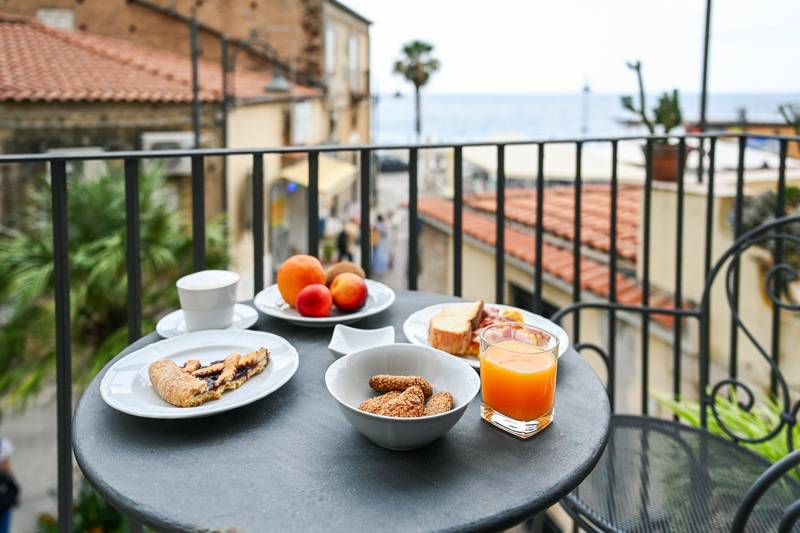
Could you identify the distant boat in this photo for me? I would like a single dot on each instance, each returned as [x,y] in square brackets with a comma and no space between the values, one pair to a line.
[398,94]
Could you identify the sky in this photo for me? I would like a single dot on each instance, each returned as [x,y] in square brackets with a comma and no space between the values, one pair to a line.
[555,46]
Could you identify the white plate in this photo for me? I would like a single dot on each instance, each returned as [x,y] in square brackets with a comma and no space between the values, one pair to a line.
[346,339]
[415,328]
[270,302]
[126,386]
[174,324]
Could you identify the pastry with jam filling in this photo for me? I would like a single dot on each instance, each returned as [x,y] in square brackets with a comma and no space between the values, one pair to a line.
[193,384]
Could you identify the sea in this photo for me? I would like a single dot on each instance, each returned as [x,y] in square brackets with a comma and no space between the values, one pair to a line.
[479,117]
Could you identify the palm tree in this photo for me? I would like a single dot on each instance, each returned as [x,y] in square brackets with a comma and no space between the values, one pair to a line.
[98,288]
[417,65]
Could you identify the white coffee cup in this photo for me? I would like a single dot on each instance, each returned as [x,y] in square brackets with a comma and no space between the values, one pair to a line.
[208,298]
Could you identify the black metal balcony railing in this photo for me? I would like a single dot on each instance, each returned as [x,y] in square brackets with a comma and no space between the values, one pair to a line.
[132,159]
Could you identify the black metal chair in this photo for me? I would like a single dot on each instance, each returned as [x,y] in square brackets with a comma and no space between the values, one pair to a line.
[660,475]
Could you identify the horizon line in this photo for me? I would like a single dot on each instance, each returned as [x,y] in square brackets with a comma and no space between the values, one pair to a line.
[795,93]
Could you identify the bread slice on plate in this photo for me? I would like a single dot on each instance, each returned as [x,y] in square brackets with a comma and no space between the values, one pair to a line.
[451,329]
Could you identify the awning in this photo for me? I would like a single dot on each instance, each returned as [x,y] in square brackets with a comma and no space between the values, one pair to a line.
[334,174]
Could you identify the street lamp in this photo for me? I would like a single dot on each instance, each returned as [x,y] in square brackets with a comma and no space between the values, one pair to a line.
[278,83]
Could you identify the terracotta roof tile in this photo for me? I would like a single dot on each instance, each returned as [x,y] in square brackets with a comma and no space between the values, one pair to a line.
[38,63]
[559,213]
[556,261]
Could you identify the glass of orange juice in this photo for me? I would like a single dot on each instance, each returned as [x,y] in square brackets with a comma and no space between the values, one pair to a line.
[518,377]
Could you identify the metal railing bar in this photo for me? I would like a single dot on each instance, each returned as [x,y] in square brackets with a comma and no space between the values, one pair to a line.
[712,150]
[704,331]
[537,289]
[258,223]
[733,365]
[458,206]
[628,308]
[205,152]
[198,213]
[133,249]
[576,242]
[612,281]
[58,186]
[678,293]
[313,203]
[413,221]
[780,207]
[500,227]
[645,331]
[701,152]
[366,240]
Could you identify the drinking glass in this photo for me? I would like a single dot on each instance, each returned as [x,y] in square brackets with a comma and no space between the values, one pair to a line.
[518,377]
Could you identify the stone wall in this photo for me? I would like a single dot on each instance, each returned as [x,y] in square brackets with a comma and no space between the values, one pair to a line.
[41,127]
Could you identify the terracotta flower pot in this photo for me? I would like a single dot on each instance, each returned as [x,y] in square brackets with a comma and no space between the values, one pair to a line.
[665,161]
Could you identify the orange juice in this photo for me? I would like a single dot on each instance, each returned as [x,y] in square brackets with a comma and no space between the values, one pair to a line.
[518,379]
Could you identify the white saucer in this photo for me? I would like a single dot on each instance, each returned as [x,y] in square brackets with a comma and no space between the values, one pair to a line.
[173,324]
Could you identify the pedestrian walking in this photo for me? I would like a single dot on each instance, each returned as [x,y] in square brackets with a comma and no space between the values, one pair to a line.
[343,245]
[380,246]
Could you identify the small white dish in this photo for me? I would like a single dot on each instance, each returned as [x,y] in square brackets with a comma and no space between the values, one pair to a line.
[415,328]
[270,302]
[126,386]
[174,324]
[347,380]
[346,339]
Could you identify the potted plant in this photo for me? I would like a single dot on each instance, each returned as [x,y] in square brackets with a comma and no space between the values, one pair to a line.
[667,115]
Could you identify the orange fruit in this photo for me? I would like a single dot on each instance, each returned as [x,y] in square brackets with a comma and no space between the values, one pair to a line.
[296,273]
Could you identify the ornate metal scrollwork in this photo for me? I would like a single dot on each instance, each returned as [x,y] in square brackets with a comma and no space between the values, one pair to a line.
[774,281]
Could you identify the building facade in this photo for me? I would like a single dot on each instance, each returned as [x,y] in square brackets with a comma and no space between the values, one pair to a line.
[319,43]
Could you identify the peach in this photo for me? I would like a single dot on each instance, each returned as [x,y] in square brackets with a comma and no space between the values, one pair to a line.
[340,268]
[349,292]
[314,300]
[296,273]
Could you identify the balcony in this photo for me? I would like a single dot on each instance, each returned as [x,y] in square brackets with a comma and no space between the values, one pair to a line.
[668,288]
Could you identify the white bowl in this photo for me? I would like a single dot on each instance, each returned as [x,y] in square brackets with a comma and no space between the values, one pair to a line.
[347,380]
[346,339]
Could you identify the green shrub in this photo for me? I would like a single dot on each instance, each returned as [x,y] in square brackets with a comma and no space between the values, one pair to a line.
[753,424]
[98,286]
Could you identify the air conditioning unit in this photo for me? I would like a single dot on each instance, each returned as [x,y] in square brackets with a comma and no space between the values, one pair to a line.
[171,140]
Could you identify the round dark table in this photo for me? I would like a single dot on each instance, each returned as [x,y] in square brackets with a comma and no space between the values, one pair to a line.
[291,462]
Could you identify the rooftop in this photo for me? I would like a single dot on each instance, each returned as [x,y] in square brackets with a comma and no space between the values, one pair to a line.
[520,242]
[41,64]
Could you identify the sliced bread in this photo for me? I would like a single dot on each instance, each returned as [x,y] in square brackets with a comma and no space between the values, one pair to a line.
[451,328]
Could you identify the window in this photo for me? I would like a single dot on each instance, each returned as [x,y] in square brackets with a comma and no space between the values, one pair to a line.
[523,299]
[301,122]
[330,49]
[353,60]
[63,19]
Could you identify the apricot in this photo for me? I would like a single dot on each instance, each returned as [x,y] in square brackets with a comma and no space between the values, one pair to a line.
[296,273]
[315,300]
[349,292]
